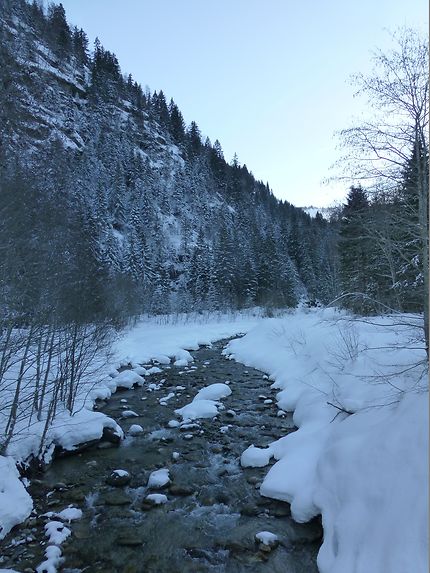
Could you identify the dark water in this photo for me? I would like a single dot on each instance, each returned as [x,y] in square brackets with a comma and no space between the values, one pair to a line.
[214,508]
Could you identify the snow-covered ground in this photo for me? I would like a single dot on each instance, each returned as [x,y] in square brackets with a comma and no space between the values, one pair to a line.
[164,339]
[359,395]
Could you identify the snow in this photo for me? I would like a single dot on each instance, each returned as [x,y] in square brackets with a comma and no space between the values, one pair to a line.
[128,378]
[153,370]
[205,404]
[69,514]
[85,426]
[57,532]
[15,503]
[163,401]
[359,457]
[213,392]
[266,538]
[121,473]
[254,457]
[157,498]
[140,371]
[198,409]
[53,560]
[135,430]
[159,478]
[173,337]
[129,414]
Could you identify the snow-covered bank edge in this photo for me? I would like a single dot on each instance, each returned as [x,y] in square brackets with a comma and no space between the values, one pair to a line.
[164,341]
[359,457]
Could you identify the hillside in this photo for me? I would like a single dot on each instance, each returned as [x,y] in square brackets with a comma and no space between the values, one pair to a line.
[129,210]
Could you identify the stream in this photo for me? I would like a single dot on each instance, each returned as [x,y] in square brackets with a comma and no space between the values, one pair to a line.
[214,508]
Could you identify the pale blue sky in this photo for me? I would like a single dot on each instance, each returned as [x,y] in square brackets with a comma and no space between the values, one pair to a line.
[269,79]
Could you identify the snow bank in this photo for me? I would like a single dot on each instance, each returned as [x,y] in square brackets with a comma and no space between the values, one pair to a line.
[359,396]
[151,340]
[15,502]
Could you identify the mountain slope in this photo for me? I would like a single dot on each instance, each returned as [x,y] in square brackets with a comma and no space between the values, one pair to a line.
[127,209]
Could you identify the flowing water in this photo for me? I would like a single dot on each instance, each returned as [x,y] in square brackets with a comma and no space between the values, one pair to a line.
[214,508]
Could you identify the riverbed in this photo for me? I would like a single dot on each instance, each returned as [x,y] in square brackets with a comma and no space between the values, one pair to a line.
[213,509]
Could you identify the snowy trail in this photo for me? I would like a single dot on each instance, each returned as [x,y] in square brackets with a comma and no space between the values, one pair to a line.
[202,514]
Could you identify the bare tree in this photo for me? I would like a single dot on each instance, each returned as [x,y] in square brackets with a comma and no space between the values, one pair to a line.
[381,147]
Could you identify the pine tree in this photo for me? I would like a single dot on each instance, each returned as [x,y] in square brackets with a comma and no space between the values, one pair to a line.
[355,250]
[176,122]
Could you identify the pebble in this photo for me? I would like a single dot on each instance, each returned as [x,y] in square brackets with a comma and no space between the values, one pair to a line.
[181,490]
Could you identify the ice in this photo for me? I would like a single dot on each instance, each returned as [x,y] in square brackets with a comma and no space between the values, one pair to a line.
[159,478]
[173,423]
[254,457]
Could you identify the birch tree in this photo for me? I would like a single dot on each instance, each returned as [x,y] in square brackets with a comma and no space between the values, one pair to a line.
[380,148]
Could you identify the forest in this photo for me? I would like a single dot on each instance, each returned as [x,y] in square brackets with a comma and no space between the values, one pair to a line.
[112,207]
[128,241]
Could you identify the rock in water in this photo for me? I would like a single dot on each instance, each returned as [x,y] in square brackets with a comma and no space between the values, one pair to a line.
[118,478]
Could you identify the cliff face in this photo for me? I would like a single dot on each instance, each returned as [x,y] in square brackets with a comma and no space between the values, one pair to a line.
[152,217]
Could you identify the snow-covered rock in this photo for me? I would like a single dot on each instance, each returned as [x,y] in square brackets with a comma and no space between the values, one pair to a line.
[129,414]
[56,532]
[254,457]
[128,379]
[267,538]
[157,498]
[159,478]
[198,409]
[69,514]
[135,430]
[213,392]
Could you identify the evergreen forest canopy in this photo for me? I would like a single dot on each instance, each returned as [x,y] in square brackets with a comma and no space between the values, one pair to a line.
[111,206]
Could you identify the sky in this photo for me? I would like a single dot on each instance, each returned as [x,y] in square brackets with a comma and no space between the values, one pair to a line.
[270,79]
